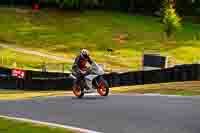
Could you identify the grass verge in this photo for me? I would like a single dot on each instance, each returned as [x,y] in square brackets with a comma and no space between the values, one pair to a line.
[179,88]
[20,95]
[13,126]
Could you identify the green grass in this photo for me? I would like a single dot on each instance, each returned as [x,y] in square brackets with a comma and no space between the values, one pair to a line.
[66,32]
[8,58]
[12,126]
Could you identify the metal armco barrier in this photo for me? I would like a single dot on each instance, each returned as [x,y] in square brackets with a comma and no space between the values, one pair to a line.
[35,80]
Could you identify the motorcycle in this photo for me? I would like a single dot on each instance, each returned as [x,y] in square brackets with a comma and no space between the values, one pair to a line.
[93,82]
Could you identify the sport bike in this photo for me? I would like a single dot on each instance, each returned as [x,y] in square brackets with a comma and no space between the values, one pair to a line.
[92,82]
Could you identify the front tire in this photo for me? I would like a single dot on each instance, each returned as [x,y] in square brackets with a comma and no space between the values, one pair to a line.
[103,88]
[78,91]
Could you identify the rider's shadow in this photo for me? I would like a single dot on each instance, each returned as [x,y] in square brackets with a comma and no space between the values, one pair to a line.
[90,98]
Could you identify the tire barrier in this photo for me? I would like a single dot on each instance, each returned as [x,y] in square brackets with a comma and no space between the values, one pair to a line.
[8,84]
[197,72]
[35,80]
[31,75]
[63,84]
[188,72]
[5,73]
[167,75]
[115,80]
[108,78]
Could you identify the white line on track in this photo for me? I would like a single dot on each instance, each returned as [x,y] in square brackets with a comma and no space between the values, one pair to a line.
[81,130]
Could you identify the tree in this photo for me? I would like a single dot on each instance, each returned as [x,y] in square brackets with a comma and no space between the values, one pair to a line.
[132,6]
[68,3]
[92,3]
[170,19]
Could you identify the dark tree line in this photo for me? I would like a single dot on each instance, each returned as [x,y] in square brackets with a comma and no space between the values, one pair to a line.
[188,7]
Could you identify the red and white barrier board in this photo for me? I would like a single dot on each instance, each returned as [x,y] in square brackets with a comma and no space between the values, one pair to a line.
[18,73]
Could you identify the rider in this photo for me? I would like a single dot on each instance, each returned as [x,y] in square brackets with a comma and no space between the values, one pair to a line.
[79,68]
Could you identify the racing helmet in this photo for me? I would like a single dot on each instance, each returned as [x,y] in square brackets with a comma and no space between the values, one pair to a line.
[84,53]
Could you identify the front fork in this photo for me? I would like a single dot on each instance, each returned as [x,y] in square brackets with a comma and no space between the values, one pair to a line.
[97,81]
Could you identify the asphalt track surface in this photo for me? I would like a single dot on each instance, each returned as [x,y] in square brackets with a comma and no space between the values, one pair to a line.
[113,114]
